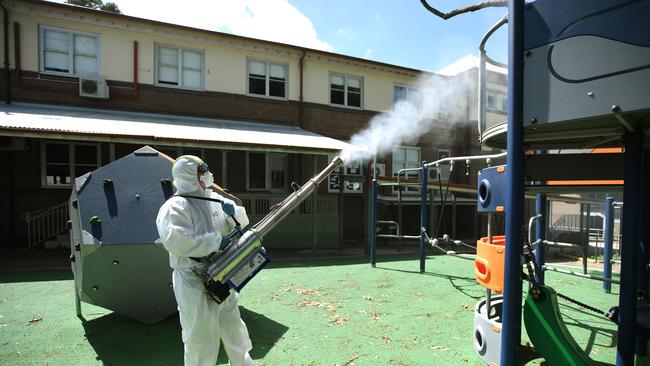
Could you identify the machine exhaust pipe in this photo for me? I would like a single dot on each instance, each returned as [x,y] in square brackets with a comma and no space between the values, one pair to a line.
[244,258]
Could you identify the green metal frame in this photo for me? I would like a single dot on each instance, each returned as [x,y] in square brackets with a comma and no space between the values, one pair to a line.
[547,330]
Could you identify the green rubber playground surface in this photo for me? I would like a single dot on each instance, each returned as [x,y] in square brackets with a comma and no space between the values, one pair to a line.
[308,312]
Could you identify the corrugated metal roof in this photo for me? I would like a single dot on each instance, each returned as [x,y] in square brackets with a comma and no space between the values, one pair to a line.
[52,121]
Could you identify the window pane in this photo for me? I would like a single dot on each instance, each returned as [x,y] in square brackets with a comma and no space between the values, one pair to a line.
[277,88]
[57,174]
[257,68]
[277,71]
[57,153]
[354,84]
[399,155]
[84,65]
[167,56]
[80,170]
[277,171]
[399,93]
[191,60]
[491,102]
[337,80]
[85,154]
[337,97]
[56,61]
[86,45]
[168,75]
[257,170]
[56,41]
[354,99]
[412,155]
[195,152]
[256,86]
[192,78]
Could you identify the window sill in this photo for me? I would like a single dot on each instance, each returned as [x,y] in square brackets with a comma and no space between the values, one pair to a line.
[177,87]
[55,73]
[346,107]
[267,97]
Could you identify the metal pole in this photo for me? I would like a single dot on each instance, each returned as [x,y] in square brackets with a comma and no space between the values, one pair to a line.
[373,215]
[511,336]
[608,243]
[540,236]
[399,214]
[453,216]
[585,248]
[340,211]
[629,250]
[314,209]
[423,213]
[644,256]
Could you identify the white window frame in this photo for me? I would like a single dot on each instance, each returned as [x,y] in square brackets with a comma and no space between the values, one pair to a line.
[444,166]
[410,90]
[71,159]
[267,78]
[267,173]
[346,173]
[180,66]
[71,33]
[345,90]
[393,167]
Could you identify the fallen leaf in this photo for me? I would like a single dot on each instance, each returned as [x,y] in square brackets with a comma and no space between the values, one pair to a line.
[36,319]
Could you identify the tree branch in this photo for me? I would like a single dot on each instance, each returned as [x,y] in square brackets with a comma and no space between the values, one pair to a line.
[466,9]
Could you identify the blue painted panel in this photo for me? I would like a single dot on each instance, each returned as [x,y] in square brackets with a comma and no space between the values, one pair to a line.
[491,189]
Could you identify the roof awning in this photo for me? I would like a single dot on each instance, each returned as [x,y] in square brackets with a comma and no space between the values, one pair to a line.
[54,122]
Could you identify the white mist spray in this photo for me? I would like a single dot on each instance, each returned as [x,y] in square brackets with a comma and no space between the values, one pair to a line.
[438,102]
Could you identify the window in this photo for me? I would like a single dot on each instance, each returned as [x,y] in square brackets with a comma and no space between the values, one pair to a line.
[267,78]
[180,67]
[68,52]
[444,168]
[346,90]
[352,178]
[266,172]
[403,158]
[174,152]
[491,101]
[407,93]
[61,162]
[504,104]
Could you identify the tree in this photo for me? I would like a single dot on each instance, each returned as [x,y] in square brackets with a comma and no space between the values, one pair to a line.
[466,9]
[96,4]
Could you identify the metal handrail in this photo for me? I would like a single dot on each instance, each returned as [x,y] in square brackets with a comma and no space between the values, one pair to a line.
[45,223]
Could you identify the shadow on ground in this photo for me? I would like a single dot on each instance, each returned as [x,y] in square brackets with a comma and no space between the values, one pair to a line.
[36,276]
[118,340]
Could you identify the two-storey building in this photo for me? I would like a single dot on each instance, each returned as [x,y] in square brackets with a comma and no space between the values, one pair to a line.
[84,87]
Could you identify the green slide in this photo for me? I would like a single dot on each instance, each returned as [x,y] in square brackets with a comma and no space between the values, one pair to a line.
[548,333]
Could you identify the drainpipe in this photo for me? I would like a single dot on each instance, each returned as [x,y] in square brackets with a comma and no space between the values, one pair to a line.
[136,91]
[17,52]
[5,15]
[301,111]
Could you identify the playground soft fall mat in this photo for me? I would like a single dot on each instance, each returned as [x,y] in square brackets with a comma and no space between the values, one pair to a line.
[308,312]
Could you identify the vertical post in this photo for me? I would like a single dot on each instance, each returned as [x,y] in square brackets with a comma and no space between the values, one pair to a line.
[586,238]
[423,212]
[629,250]
[540,236]
[399,217]
[111,152]
[314,208]
[608,243]
[373,215]
[511,336]
[644,255]
[453,216]
[340,211]
[224,168]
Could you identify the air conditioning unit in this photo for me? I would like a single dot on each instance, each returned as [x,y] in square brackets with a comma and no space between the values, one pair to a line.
[93,88]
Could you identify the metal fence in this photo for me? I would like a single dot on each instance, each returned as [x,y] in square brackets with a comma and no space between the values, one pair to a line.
[45,224]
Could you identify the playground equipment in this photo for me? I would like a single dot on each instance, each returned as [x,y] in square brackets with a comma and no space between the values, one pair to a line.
[584,85]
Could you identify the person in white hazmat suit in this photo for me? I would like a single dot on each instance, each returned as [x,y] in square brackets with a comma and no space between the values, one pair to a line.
[190,229]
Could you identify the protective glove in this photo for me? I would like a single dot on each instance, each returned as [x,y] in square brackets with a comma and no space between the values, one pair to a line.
[224,243]
[228,208]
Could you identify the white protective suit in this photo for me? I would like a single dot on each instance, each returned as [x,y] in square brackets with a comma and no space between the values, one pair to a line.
[194,228]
